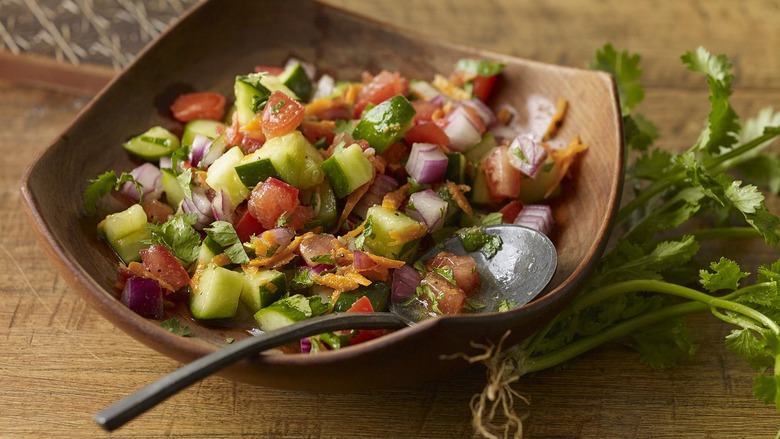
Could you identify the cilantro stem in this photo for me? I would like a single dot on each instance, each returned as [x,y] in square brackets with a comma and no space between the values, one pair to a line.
[699,302]
[713,164]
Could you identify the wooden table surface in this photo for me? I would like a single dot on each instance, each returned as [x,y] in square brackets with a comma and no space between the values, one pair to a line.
[62,362]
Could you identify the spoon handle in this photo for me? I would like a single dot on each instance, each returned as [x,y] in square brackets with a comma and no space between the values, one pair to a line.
[144,399]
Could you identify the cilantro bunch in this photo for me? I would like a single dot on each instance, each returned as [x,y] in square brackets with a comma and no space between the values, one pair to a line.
[650,278]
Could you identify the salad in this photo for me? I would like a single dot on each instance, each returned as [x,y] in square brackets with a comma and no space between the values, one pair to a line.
[305,195]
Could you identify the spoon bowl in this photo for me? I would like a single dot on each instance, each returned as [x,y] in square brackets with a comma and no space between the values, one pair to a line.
[219,39]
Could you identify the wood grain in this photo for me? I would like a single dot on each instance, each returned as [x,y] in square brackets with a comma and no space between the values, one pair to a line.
[62,362]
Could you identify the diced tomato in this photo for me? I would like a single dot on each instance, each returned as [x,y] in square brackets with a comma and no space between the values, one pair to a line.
[163,264]
[482,86]
[450,299]
[202,105]
[510,210]
[271,70]
[156,211]
[362,305]
[302,215]
[503,179]
[246,225]
[464,270]
[396,153]
[281,115]
[426,132]
[271,200]
[314,130]
[380,88]
[424,110]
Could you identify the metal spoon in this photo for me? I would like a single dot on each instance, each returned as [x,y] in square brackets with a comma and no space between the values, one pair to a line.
[516,274]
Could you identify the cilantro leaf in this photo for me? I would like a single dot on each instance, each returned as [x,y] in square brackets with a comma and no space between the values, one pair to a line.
[178,235]
[662,346]
[103,185]
[368,232]
[723,123]
[747,345]
[625,68]
[474,238]
[480,67]
[725,275]
[223,233]
[175,327]
[638,132]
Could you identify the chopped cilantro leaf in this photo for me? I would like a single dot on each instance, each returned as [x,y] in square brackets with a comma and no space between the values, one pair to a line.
[447,274]
[175,327]
[479,67]
[474,239]
[103,185]
[178,235]
[368,232]
[223,233]
[323,259]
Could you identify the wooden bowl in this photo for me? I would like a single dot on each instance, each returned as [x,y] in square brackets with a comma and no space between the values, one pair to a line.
[204,51]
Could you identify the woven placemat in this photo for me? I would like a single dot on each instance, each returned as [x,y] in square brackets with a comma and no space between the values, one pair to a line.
[78,44]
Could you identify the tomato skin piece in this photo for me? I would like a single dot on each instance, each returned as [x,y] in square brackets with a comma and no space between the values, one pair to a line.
[510,210]
[380,88]
[164,265]
[361,305]
[271,70]
[271,200]
[200,105]
[426,132]
[503,179]
[246,225]
[361,335]
[281,115]
[424,110]
[464,270]
[482,86]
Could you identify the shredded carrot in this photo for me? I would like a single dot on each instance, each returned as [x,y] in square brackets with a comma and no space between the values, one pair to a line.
[221,260]
[138,269]
[504,116]
[563,159]
[335,281]
[352,92]
[393,200]
[459,197]
[317,106]
[352,201]
[385,262]
[560,112]
[408,234]
[449,88]
[355,232]
[280,257]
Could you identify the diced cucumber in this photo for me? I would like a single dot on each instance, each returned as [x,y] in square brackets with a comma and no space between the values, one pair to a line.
[215,150]
[204,127]
[296,79]
[156,142]
[386,123]
[533,190]
[456,168]
[216,293]
[384,224]
[250,95]
[222,176]
[325,206]
[479,193]
[294,159]
[174,193]
[262,288]
[284,312]
[481,149]
[252,172]
[208,250]
[378,294]
[347,170]
[124,232]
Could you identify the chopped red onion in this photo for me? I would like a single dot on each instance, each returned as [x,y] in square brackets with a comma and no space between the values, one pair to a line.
[319,268]
[305,345]
[166,162]
[283,236]
[427,163]
[536,216]
[405,281]
[200,205]
[150,179]
[361,261]
[222,207]
[200,146]
[526,155]
[325,87]
[144,296]
[382,185]
[428,208]
[461,130]
[485,113]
